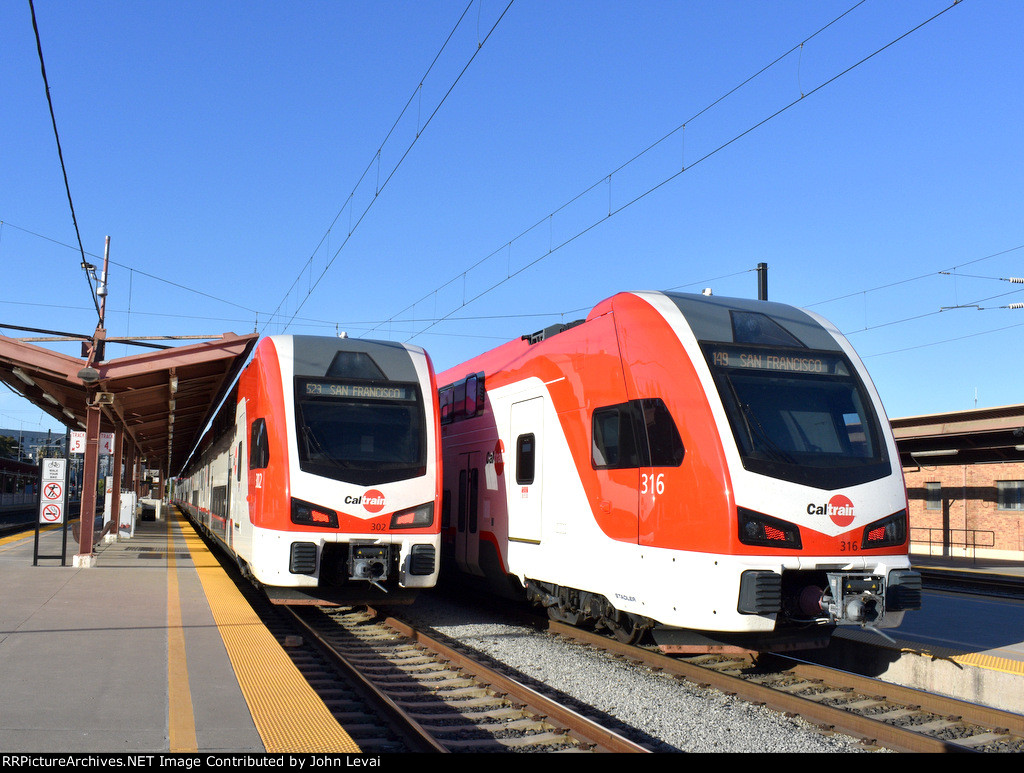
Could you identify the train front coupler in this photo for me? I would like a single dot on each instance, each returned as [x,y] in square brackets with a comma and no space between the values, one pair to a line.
[857,599]
[369,563]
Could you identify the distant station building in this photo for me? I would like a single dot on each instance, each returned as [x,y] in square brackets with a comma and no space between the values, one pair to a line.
[965,482]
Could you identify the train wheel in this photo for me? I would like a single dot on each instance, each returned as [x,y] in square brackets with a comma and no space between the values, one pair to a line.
[625,628]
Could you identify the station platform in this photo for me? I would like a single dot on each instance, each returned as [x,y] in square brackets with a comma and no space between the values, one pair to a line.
[963,645]
[149,649]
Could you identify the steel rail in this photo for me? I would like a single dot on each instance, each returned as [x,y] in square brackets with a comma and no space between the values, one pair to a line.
[581,727]
[835,719]
[414,734]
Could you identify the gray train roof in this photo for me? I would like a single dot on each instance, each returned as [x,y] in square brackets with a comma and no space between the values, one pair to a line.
[320,356]
[745,321]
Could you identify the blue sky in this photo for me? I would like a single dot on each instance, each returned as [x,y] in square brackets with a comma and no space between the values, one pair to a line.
[230,151]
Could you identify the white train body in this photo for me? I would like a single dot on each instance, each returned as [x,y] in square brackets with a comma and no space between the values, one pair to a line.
[321,475]
[680,464]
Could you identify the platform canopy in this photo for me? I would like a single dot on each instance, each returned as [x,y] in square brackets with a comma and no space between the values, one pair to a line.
[162,399]
[962,437]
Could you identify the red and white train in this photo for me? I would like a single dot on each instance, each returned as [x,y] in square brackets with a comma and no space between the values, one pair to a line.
[718,472]
[321,474]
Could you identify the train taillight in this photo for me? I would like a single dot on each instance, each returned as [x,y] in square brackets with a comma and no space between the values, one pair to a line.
[888,532]
[414,518]
[765,531]
[306,514]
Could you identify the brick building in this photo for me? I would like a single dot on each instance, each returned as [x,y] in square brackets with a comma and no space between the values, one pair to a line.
[965,482]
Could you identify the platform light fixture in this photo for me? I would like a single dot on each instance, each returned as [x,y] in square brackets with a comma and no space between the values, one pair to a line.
[89,375]
[23,376]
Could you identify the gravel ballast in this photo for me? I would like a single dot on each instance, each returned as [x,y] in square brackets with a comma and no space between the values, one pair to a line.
[656,710]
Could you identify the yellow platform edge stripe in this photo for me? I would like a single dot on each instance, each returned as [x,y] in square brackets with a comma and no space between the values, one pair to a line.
[181,725]
[289,716]
[981,660]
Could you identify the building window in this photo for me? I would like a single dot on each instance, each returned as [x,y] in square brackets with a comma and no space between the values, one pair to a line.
[1010,494]
[932,496]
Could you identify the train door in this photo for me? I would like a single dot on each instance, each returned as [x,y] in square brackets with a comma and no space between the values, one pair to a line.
[467,512]
[525,484]
[238,486]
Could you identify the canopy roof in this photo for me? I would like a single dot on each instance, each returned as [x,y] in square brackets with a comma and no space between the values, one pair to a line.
[962,437]
[162,399]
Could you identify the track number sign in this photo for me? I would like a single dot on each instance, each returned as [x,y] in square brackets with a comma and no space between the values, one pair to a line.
[106,445]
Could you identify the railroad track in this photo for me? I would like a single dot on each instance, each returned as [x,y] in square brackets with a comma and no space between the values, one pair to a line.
[396,689]
[881,714]
[447,699]
[973,581]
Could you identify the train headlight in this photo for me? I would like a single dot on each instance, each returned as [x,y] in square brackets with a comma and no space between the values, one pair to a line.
[765,531]
[414,518]
[306,514]
[885,533]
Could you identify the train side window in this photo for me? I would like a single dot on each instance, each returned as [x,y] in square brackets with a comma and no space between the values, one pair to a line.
[666,447]
[471,395]
[462,400]
[526,459]
[640,433]
[238,462]
[613,440]
[259,448]
[446,399]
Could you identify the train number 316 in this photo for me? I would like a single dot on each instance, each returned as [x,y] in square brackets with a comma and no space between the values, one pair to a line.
[652,484]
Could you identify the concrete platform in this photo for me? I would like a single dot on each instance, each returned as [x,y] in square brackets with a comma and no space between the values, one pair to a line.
[136,653]
[962,645]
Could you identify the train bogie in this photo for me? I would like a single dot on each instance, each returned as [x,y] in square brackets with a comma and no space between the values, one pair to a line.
[321,475]
[677,464]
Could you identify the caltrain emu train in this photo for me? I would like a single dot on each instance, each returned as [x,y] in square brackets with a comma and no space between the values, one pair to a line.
[321,473]
[717,473]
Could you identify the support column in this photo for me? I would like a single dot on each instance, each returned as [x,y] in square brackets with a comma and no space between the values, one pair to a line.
[115,484]
[87,517]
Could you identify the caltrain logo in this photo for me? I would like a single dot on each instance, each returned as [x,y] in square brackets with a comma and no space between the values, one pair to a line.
[372,501]
[497,458]
[838,508]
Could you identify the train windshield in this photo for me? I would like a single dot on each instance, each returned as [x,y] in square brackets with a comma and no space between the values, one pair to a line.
[799,415]
[366,433]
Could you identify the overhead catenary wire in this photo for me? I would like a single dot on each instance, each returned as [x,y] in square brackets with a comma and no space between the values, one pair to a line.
[60,155]
[138,271]
[916,278]
[676,173]
[381,185]
[296,320]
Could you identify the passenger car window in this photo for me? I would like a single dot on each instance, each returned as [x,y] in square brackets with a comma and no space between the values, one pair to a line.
[640,433]
[526,456]
[259,448]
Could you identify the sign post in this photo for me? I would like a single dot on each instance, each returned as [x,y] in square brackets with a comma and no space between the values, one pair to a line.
[52,509]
